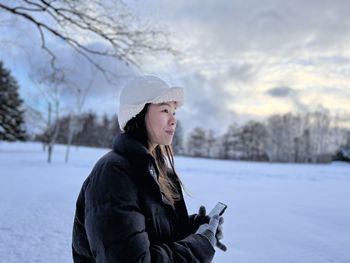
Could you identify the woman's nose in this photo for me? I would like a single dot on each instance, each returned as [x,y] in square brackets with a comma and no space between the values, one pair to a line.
[172,120]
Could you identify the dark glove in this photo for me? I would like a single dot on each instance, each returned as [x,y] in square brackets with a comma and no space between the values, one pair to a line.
[213,232]
[199,219]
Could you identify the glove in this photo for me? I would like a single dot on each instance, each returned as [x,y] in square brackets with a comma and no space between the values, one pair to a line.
[219,235]
[213,232]
[199,219]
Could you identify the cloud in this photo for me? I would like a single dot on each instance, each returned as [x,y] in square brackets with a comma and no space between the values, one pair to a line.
[206,103]
[290,95]
[237,27]
[281,92]
[235,55]
[243,72]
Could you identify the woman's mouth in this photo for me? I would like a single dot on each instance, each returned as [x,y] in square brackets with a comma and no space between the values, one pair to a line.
[170,132]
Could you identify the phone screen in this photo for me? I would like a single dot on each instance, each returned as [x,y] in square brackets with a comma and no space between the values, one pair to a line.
[219,209]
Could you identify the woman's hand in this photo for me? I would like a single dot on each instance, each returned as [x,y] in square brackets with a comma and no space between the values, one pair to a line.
[213,231]
[200,218]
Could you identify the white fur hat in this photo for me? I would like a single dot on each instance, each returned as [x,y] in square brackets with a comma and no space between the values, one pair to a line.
[142,90]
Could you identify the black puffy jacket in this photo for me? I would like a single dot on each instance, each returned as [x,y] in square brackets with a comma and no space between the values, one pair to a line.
[121,215]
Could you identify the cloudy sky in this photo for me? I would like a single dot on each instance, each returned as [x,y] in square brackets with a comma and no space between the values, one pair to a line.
[239,60]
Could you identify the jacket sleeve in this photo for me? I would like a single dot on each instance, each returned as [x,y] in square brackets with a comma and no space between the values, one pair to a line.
[115,226]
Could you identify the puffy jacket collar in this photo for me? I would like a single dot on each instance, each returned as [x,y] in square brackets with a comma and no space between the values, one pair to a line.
[132,150]
[140,160]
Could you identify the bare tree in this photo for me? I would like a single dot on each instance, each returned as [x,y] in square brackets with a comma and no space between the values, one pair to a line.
[338,134]
[321,131]
[75,124]
[230,142]
[49,83]
[275,144]
[210,141]
[79,23]
[253,139]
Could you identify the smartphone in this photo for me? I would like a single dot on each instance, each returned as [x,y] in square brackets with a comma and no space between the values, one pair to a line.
[219,209]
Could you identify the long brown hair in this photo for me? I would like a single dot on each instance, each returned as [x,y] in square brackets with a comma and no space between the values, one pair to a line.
[163,155]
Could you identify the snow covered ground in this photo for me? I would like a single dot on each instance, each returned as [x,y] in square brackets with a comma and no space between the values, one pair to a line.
[277,213]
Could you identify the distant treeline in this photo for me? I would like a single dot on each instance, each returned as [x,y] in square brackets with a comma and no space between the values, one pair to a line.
[309,138]
[86,129]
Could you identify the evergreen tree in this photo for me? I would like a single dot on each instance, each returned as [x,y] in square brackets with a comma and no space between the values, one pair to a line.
[88,136]
[177,143]
[11,112]
[196,143]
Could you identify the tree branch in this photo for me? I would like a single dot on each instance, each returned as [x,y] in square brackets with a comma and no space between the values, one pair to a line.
[123,39]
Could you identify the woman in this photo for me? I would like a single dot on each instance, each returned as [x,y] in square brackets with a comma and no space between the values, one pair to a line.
[131,207]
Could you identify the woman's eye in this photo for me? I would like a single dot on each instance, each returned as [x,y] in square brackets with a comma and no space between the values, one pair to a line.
[167,111]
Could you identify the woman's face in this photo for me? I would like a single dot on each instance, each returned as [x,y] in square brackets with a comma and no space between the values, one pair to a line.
[160,123]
